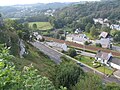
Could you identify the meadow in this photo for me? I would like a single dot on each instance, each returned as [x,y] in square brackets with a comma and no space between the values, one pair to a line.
[41,25]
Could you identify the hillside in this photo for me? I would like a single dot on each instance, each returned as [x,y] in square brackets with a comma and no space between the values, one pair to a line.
[18,11]
[40,61]
[86,12]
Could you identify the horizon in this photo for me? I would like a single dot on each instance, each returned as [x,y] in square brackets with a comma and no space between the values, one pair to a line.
[24,2]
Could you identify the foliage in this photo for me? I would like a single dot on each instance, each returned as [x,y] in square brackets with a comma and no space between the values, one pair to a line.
[117,37]
[98,45]
[86,43]
[41,25]
[89,82]
[72,52]
[93,31]
[67,74]
[112,86]
[88,26]
[27,79]
[35,26]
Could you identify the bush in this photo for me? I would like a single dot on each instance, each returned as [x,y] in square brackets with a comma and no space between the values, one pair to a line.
[86,43]
[98,45]
[72,52]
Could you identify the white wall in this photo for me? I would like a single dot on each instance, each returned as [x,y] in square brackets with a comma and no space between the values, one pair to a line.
[115,65]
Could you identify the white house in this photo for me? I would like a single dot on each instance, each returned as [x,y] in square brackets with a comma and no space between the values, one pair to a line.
[108,59]
[103,57]
[78,38]
[114,26]
[103,35]
[99,20]
[37,36]
[77,31]
[58,46]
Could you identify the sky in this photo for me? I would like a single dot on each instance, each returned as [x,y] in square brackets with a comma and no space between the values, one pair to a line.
[14,2]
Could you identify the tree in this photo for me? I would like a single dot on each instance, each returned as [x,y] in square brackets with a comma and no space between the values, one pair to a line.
[106,29]
[86,43]
[113,32]
[27,79]
[67,74]
[89,82]
[112,86]
[88,26]
[93,31]
[98,45]
[72,52]
[34,26]
[117,37]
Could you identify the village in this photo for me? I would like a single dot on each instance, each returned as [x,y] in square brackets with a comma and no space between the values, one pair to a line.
[99,58]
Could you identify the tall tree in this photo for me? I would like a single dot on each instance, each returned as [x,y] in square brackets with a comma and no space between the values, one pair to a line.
[67,74]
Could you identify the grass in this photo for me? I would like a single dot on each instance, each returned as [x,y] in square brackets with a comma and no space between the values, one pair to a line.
[88,61]
[40,61]
[89,35]
[41,25]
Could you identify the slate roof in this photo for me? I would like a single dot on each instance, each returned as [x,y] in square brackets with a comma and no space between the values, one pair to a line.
[103,55]
[104,42]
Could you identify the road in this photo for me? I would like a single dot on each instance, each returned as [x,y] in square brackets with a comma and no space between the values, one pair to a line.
[55,55]
[116,48]
[85,53]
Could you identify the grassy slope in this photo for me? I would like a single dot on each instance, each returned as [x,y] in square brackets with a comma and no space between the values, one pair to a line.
[42,25]
[41,62]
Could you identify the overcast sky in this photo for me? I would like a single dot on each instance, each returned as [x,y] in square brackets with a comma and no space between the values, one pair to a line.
[14,2]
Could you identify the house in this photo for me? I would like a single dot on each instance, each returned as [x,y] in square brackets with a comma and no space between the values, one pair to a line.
[37,36]
[105,42]
[77,31]
[104,35]
[114,26]
[77,38]
[58,46]
[105,25]
[103,57]
[99,20]
[107,59]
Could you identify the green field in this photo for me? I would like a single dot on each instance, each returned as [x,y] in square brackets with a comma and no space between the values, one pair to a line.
[41,25]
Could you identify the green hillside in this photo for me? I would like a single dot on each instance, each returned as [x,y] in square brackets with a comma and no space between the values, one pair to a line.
[84,13]
[40,61]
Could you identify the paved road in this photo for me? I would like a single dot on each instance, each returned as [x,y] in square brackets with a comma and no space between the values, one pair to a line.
[55,55]
[85,53]
[116,48]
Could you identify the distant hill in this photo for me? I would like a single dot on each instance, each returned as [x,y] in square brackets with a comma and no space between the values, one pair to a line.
[18,11]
